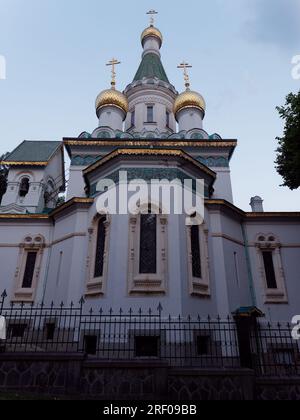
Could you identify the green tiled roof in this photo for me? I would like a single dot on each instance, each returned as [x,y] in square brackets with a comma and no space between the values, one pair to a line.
[151,67]
[34,151]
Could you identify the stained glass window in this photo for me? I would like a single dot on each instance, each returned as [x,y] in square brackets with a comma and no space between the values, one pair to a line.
[196,254]
[29,270]
[148,243]
[269,269]
[100,246]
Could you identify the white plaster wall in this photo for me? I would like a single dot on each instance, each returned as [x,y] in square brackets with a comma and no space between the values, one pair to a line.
[151,45]
[222,185]
[162,101]
[76,183]
[111,117]
[190,118]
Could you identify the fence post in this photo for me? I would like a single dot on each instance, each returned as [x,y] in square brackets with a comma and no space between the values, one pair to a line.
[3,297]
[81,303]
[246,324]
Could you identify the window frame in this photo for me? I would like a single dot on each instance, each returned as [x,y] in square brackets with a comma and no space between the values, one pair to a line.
[151,120]
[198,286]
[96,285]
[31,243]
[264,243]
[168,118]
[28,270]
[22,180]
[132,118]
[149,283]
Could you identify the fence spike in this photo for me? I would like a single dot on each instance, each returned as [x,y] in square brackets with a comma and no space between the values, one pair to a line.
[160,308]
[4,294]
[82,301]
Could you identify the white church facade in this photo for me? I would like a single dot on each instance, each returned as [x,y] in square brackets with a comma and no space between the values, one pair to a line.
[50,252]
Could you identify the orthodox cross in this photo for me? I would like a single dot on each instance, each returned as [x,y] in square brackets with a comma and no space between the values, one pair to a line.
[152,13]
[113,63]
[185,66]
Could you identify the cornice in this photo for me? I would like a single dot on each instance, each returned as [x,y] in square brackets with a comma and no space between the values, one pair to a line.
[47,217]
[149,152]
[24,163]
[147,142]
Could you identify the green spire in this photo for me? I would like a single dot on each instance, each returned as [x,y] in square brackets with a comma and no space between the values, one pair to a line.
[150,67]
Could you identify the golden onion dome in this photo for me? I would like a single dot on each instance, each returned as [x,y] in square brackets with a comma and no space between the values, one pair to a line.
[189,99]
[112,97]
[152,31]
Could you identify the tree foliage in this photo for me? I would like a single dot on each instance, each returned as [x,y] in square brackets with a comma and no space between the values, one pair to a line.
[288,157]
[3,176]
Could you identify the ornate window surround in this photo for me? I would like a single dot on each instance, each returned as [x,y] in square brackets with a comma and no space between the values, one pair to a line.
[269,242]
[148,283]
[97,285]
[31,243]
[198,286]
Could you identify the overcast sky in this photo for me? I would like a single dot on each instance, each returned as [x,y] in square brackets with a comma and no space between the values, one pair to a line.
[241,51]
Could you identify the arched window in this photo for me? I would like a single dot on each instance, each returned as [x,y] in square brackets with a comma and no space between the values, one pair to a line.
[100,248]
[24,187]
[196,254]
[148,253]
[97,260]
[148,243]
[198,262]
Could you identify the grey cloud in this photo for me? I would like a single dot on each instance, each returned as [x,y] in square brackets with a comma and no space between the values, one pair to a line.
[275,22]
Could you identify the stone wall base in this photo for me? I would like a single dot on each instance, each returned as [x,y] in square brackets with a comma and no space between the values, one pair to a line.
[73,375]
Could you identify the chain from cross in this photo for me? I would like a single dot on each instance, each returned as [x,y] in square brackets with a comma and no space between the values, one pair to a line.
[185,66]
[152,13]
[113,63]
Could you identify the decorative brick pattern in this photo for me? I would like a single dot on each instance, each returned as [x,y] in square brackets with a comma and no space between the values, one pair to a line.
[144,380]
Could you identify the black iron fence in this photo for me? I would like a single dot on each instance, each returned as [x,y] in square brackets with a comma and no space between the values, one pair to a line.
[128,335]
[275,351]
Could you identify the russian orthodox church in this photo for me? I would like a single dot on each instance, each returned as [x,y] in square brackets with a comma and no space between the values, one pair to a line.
[53,251]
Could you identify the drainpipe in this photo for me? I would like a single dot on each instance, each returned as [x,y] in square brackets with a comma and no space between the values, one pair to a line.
[248,261]
[48,263]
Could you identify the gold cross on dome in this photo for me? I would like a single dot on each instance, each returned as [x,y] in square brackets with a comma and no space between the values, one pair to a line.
[152,13]
[113,63]
[185,66]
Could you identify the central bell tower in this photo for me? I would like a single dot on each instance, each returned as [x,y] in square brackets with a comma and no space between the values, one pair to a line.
[150,96]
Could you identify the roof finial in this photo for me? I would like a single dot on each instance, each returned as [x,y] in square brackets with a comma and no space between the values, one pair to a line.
[113,63]
[185,66]
[152,13]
